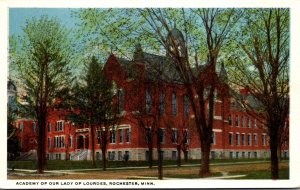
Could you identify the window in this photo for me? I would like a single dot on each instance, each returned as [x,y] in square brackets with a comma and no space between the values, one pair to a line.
[161,133]
[230,120]
[59,125]
[255,139]
[111,155]
[71,141]
[249,154]
[58,156]
[120,135]
[128,134]
[243,154]
[186,136]
[255,154]
[264,139]
[98,133]
[174,104]
[213,138]
[148,135]
[162,103]
[112,136]
[174,136]
[230,139]
[236,120]
[249,122]
[243,139]
[243,121]
[120,157]
[59,141]
[98,156]
[49,142]
[148,101]
[34,127]
[186,106]
[128,154]
[213,154]
[249,140]
[49,127]
[231,155]
[255,123]
[120,100]
[237,154]
[237,139]
[174,155]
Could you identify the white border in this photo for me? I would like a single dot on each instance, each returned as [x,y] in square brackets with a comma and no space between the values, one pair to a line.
[294,6]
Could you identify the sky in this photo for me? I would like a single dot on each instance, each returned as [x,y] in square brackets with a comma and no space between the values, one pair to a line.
[18,17]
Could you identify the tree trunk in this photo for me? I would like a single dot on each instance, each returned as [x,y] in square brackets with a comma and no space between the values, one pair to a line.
[103,158]
[150,157]
[178,155]
[41,142]
[160,168]
[93,145]
[274,156]
[186,156]
[205,151]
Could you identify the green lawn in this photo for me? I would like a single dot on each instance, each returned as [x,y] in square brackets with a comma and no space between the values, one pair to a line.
[283,174]
[87,164]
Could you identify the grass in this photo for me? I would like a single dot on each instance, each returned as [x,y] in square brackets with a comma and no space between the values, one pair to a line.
[262,174]
[87,164]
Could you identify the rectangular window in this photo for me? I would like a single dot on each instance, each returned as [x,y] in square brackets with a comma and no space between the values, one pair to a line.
[174,155]
[161,133]
[213,138]
[113,136]
[255,123]
[71,141]
[174,136]
[237,121]
[249,140]
[121,135]
[237,154]
[213,154]
[255,139]
[128,135]
[249,154]
[186,136]
[148,101]
[59,125]
[243,139]
[49,127]
[243,121]
[120,157]
[174,104]
[230,120]
[127,153]
[255,154]
[231,155]
[98,156]
[264,139]
[243,154]
[186,106]
[49,142]
[249,122]
[111,155]
[237,139]
[230,139]
[162,103]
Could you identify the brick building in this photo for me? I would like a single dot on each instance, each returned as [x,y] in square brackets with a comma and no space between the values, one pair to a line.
[236,134]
